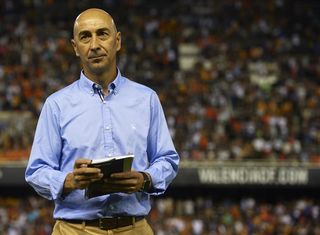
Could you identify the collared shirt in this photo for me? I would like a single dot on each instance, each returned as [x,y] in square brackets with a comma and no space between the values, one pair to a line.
[75,123]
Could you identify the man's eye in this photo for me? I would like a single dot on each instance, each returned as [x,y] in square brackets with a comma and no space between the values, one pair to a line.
[84,37]
[104,34]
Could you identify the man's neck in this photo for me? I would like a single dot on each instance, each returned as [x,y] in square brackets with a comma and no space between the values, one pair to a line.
[103,79]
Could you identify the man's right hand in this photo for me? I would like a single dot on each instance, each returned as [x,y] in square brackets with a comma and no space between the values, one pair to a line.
[81,176]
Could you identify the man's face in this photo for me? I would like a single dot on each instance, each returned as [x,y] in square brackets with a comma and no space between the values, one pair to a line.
[96,41]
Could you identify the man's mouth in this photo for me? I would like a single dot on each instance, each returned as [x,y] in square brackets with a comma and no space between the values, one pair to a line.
[96,57]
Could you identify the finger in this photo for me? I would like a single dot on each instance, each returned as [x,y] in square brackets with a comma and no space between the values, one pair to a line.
[125,175]
[87,171]
[82,162]
[132,190]
[88,177]
[81,183]
[122,183]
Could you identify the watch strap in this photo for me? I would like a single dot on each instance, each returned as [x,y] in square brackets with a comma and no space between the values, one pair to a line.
[146,182]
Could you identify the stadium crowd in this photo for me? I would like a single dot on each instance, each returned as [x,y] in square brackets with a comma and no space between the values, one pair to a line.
[238,79]
[169,216]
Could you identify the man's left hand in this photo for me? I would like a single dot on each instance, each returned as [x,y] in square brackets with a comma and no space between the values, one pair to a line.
[126,182]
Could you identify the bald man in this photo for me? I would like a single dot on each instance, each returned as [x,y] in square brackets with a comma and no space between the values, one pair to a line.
[102,114]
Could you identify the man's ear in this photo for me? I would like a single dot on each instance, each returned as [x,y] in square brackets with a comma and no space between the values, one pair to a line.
[74,47]
[118,42]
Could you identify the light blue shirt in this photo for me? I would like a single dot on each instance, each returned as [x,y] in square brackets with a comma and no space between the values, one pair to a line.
[75,123]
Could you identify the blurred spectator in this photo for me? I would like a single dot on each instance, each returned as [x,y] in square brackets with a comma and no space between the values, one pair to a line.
[25,216]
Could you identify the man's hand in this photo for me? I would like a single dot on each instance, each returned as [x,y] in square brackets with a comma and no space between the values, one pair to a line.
[126,182]
[81,176]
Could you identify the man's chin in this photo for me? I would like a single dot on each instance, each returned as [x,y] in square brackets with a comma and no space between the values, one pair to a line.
[98,69]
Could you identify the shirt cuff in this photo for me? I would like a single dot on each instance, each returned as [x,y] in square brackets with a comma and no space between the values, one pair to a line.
[159,180]
[57,185]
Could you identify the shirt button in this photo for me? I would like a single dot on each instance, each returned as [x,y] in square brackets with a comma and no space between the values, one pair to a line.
[107,128]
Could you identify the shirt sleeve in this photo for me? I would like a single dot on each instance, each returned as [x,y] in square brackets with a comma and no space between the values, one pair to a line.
[42,171]
[163,157]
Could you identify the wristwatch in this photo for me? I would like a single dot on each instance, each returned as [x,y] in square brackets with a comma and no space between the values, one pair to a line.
[146,182]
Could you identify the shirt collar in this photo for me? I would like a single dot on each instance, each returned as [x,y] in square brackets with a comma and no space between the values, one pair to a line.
[86,84]
[116,84]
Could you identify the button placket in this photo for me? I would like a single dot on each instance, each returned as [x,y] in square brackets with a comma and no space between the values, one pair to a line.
[108,143]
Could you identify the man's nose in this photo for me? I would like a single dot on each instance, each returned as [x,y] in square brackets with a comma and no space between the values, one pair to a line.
[94,43]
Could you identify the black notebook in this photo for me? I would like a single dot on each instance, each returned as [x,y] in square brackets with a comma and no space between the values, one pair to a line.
[108,166]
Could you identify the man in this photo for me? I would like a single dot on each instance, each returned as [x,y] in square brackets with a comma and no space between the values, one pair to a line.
[101,114]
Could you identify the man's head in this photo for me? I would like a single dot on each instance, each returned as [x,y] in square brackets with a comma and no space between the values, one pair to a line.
[96,41]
